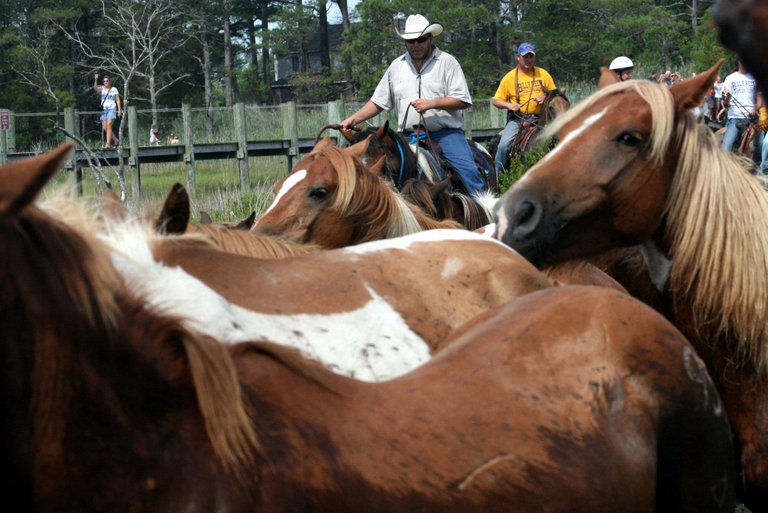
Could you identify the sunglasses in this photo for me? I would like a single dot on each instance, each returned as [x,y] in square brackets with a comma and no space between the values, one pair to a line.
[419,40]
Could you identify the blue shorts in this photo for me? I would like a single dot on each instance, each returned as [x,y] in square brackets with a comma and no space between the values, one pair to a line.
[109,114]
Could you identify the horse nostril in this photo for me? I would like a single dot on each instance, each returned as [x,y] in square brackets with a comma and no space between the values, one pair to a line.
[525,218]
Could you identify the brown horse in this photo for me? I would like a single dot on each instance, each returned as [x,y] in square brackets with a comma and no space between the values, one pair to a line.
[633,167]
[418,159]
[174,219]
[331,199]
[110,404]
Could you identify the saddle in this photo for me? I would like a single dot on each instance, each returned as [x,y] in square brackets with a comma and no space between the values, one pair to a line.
[442,167]
[528,129]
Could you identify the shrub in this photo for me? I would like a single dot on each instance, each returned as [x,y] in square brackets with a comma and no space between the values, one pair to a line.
[519,164]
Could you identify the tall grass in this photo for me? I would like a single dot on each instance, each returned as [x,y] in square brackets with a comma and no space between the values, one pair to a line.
[217,187]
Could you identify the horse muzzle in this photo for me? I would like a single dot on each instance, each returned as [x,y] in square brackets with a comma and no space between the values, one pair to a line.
[522,223]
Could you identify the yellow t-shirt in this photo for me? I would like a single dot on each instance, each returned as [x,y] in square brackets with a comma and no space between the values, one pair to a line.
[519,87]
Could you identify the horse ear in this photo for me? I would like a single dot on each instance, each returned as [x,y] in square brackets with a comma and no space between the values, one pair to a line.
[205,217]
[690,93]
[607,77]
[111,205]
[23,179]
[247,224]
[381,132]
[323,143]
[174,217]
[357,150]
[376,169]
[563,89]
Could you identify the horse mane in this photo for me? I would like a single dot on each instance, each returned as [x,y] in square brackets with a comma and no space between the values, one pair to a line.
[379,210]
[241,242]
[67,246]
[714,202]
[440,203]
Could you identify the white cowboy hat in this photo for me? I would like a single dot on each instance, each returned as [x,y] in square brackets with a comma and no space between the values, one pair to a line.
[417,25]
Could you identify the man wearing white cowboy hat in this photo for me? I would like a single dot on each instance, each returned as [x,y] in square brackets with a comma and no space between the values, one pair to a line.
[427,87]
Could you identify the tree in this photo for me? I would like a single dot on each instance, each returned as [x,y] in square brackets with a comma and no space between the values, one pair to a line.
[159,37]
[125,22]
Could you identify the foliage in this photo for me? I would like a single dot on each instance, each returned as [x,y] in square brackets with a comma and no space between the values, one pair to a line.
[518,164]
[574,37]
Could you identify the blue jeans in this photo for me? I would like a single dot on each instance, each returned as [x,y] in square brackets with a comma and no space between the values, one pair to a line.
[764,152]
[733,132]
[457,151]
[505,143]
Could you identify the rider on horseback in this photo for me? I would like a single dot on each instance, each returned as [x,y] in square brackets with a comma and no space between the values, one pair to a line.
[623,67]
[522,92]
[428,88]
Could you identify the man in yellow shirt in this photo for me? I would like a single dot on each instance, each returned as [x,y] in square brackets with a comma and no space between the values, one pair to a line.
[521,92]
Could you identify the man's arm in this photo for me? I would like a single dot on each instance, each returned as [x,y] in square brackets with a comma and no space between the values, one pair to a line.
[449,103]
[501,104]
[367,111]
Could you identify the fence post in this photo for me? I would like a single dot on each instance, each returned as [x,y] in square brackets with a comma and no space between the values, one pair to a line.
[3,147]
[468,114]
[336,116]
[133,147]
[70,125]
[290,130]
[189,147]
[11,134]
[242,145]
[496,117]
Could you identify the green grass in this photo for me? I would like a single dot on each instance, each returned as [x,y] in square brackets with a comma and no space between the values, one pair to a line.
[217,186]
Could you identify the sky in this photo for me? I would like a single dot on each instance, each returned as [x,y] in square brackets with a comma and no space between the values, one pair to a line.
[334,16]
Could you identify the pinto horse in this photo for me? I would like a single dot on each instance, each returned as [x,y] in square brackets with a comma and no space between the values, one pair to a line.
[634,167]
[111,404]
[416,159]
[423,177]
[331,199]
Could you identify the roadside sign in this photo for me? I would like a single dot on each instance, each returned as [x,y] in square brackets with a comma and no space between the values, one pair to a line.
[5,119]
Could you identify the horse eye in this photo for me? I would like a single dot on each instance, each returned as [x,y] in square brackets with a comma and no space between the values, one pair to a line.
[318,193]
[630,139]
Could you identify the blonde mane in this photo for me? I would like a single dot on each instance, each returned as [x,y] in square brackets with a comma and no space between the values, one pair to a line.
[243,242]
[382,212]
[716,217]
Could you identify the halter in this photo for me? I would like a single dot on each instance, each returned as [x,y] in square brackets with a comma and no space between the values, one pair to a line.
[402,163]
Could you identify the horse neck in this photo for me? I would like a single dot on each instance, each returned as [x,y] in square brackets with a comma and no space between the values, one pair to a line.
[87,338]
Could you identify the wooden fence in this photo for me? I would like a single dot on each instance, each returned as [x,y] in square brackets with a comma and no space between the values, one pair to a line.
[136,152]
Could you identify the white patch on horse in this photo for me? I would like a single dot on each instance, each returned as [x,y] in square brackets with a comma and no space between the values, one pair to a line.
[289,183]
[452,267]
[404,242]
[571,137]
[487,230]
[659,266]
[370,343]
